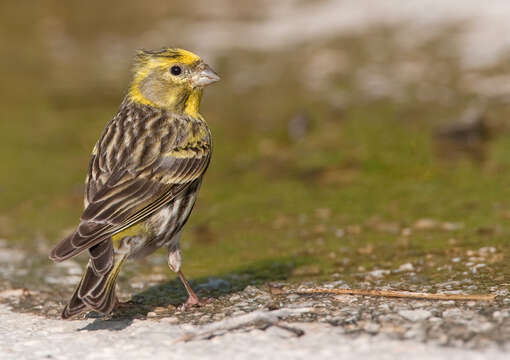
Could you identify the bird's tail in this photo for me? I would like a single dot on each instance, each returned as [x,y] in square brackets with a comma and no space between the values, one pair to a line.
[96,291]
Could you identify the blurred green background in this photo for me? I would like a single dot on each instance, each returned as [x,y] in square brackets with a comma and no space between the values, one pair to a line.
[343,142]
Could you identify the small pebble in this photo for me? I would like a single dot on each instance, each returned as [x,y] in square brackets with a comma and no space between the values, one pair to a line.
[452,313]
[339,233]
[415,315]
[170,320]
[371,327]
[275,290]
[292,297]
[345,298]
[406,267]
[234,298]
[425,224]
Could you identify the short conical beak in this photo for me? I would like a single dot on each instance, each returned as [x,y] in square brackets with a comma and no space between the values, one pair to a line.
[204,76]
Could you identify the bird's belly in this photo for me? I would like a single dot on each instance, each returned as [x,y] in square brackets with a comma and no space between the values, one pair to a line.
[160,230]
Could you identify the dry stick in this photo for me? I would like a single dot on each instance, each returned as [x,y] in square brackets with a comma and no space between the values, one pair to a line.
[399,294]
[271,318]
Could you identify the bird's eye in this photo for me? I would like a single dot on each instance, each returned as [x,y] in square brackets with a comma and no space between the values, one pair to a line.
[175,70]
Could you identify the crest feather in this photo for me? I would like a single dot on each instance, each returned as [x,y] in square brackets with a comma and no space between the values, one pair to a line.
[178,55]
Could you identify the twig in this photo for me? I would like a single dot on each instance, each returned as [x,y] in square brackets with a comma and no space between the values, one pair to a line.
[399,294]
[294,330]
[268,318]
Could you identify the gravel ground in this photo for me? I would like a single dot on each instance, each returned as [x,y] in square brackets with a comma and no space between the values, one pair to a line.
[274,313]
[253,336]
[262,321]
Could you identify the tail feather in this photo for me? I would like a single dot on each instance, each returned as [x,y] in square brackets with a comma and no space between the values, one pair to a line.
[101,256]
[74,307]
[95,291]
[67,248]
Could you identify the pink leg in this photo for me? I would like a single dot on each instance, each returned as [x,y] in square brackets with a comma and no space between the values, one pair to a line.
[192,297]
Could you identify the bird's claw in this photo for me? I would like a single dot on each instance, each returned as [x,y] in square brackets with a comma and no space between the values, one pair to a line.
[192,302]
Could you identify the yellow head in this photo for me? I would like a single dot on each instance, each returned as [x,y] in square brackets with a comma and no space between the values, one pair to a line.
[171,79]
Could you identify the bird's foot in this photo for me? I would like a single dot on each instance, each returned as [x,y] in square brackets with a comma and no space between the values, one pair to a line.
[122,307]
[193,301]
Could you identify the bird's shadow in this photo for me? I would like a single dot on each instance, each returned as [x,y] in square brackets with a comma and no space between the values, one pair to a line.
[171,294]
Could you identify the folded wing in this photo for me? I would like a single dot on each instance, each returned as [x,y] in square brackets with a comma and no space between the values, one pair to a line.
[128,196]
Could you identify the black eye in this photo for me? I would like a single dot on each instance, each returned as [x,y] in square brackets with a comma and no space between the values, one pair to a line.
[175,70]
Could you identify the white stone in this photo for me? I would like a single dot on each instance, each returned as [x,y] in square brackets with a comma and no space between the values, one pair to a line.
[415,315]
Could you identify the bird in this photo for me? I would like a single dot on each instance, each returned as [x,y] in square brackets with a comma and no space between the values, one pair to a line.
[143,178]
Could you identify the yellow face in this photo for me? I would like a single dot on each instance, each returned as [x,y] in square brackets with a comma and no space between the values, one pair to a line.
[170,78]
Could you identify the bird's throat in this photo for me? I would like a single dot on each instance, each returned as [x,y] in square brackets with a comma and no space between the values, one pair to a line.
[192,104]
[178,99]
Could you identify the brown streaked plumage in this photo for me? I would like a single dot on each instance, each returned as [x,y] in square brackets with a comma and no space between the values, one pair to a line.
[143,178]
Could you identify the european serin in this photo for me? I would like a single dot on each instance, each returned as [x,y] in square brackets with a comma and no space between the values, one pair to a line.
[144,175]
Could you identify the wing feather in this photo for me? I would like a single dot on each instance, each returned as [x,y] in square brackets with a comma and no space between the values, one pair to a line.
[130,192]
